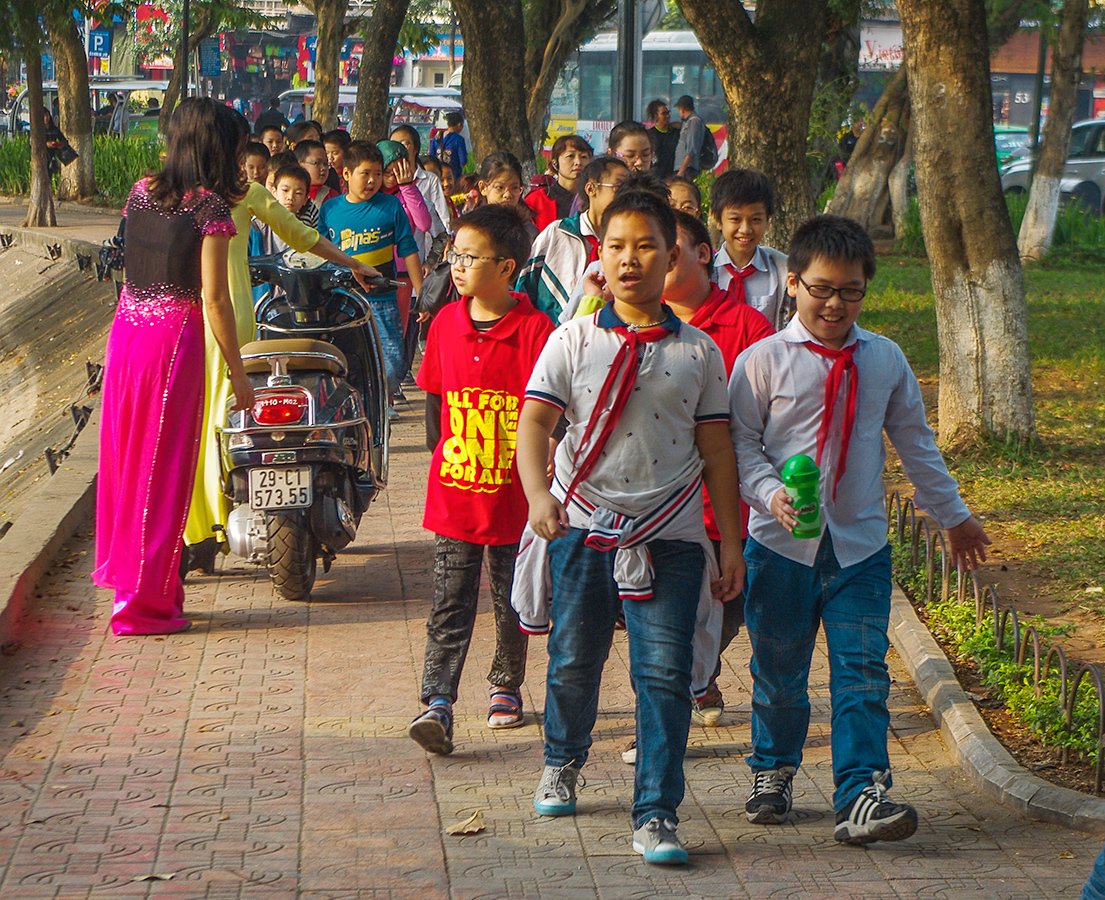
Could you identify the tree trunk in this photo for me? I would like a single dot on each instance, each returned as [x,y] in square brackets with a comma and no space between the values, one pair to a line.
[78,179]
[205,27]
[981,312]
[370,117]
[899,183]
[494,78]
[40,205]
[330,15]
[863,191]
[767,69]
[1038,225]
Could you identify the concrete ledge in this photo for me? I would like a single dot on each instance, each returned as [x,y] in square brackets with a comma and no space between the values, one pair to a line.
[50,245]
[60,504]
[981,755]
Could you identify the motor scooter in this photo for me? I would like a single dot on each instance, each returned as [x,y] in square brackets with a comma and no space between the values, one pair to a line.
[303,464]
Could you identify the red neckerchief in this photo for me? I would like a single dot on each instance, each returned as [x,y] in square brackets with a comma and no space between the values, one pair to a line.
[843,360]
[704,315]
[592,248]
[627,355]
[736,285]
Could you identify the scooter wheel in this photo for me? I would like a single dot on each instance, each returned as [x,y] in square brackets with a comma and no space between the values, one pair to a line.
[292,560]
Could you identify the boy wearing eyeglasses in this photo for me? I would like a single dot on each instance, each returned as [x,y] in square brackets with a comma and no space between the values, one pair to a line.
[826,388]
[479,354]
[312,156]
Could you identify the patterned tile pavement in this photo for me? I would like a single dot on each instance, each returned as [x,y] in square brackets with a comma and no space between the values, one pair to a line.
[263,755]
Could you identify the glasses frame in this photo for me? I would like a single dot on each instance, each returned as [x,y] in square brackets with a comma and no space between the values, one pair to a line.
[832,290]
[453,258]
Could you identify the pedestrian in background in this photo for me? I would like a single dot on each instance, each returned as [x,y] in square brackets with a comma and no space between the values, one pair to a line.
[691,134]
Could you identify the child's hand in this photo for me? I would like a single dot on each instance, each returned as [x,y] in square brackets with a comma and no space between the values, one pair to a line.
[402,171]
[785,514]
[548,518]
[731,583]
[594,285]
[967,543]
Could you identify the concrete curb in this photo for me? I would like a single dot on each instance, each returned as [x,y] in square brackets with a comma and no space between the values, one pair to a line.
[52,246]
[58,507]
[972,745]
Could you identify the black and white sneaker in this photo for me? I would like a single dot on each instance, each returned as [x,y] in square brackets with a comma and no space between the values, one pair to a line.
[873,816]
[769,802]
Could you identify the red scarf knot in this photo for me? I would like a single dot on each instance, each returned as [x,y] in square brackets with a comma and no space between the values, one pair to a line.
[736,285]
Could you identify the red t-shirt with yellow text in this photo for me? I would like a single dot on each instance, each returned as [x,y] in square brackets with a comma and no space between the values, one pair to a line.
[473,492]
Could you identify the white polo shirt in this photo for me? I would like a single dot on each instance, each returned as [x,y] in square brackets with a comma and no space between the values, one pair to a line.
[680,383]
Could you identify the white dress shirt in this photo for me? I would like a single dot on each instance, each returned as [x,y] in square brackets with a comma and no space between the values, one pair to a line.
[776,396]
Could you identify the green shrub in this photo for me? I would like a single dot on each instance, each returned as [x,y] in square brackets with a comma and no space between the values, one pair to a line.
[911,240]
[118,165]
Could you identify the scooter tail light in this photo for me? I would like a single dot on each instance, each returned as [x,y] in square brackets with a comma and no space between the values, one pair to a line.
[279,410]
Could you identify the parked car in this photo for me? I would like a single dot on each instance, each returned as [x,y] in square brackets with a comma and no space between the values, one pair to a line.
[1083,179]
[1011,142]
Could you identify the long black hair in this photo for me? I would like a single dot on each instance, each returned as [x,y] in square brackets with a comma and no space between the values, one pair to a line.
[203,147]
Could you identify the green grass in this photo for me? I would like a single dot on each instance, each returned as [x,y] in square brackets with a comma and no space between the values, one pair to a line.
[1049,501]
[119,164]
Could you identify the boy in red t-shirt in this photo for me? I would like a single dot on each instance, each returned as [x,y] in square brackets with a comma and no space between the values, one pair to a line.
[479,356]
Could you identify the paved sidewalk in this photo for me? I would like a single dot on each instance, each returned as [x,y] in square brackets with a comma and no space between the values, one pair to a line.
[76,221]
[263,755]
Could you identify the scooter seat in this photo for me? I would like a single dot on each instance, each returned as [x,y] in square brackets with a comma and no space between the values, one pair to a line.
[299,354]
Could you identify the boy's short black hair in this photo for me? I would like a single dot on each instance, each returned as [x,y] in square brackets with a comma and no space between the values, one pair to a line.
[454,118]
[297,172]
[339,137]
[279,160]
[642,203]
[361,152]
[740,187]
[412,133]
[832,238]
[595,172]
[504,226]
[276,128]
[645,181]
[296,130]
[697,231]
[302,148]
[256,148]
[623,130]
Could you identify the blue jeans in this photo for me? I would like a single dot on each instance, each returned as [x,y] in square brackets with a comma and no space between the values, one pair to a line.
[390,327]
[584,608]
[1095,884]
[785,603]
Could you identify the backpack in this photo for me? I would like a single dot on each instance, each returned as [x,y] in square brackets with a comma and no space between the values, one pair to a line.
[707,156]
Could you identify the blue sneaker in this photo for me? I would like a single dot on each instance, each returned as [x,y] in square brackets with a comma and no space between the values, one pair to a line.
[658,843]
[433,730]
[556,792]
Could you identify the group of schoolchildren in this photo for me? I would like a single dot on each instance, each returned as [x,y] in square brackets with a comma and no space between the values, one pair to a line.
[610,404]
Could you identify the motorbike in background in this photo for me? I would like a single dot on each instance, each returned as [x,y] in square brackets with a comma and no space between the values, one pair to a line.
[303,464]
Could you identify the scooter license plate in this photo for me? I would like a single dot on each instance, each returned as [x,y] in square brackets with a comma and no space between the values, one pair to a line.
[283,488]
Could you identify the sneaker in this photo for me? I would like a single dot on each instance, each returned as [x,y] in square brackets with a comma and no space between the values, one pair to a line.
[873,816]
[556,792]
[658,843]
[707,709]
[393,414]
[769,802]
[629,754]
[433,730]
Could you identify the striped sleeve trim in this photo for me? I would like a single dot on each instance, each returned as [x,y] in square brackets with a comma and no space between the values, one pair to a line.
[553,400]
[713,417]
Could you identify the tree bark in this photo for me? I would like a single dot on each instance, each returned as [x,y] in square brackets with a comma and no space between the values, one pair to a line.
[40,205]
[78,179]
[981,312]
[370,116]
[205,27]
[863,191]
[494,78]
[768,69]
[1038,225]
[554,30]
[899,183]
[330,16]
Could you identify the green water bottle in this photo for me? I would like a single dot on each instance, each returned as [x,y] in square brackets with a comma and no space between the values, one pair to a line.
[802,482]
